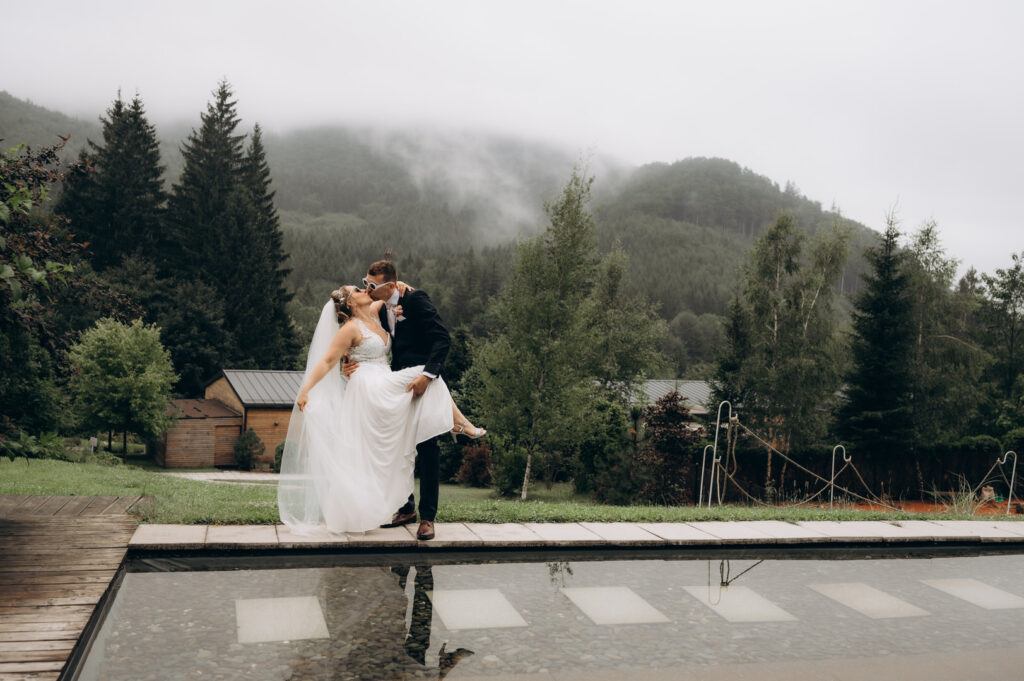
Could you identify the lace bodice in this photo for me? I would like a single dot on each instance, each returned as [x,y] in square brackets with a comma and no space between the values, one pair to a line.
[373,349]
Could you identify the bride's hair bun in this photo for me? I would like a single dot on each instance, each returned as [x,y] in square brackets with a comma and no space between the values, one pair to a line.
[341,305]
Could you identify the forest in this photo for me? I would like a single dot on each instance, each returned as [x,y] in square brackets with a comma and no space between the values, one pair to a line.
[229,239]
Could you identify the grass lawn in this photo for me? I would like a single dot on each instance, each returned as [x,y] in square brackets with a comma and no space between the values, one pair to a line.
[175,500]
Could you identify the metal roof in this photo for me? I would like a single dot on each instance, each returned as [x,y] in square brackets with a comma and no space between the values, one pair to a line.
[265,388]
[201,409]
[696,393]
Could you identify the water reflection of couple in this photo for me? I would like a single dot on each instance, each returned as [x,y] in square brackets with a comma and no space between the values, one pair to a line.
[380,629]
[351,445]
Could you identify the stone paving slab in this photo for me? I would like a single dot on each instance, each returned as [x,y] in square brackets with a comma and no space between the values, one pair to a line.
[929,529]
[680,533]
[319,537]
[507,535]
[1013,526]
[621,533]
[567,534]
[169,536]
[238,536]
[986,529]
[390,536]
[786,532]
[863,530]
[734,532]
[447,535]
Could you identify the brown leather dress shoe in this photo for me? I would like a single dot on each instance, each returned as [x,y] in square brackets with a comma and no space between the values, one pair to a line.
[426,530]
[399,519]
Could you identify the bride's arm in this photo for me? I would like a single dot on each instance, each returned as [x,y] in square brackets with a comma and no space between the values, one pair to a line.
[341,344]
[376,305]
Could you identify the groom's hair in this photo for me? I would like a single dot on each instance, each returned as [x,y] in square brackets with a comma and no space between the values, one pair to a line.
[384,268]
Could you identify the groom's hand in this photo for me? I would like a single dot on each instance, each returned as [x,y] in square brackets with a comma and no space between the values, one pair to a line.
[348,367]
[418,385]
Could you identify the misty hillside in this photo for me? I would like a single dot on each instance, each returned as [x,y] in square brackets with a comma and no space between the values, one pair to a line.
[451,205]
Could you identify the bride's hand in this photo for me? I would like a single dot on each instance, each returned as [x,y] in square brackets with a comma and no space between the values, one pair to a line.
[302,401]
[404,288]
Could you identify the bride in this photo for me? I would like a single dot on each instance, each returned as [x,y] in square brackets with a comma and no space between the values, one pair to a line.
[351,445]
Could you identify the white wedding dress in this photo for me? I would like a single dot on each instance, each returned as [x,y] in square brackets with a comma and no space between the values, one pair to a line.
[348,458]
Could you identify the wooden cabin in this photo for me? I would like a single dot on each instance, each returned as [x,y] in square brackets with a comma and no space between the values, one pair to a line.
[263,398]
[203,435]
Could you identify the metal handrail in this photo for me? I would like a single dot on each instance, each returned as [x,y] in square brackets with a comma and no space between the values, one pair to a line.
[832,480]
[1013,476]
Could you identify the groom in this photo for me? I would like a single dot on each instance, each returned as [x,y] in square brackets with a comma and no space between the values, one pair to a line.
[419,337]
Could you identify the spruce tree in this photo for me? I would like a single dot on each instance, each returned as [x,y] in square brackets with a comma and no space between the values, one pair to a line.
[273,339]
[224,232]
[876,419]
[116,198]
[207,209]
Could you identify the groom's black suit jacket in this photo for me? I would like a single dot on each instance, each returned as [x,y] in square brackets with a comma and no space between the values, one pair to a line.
[420,338]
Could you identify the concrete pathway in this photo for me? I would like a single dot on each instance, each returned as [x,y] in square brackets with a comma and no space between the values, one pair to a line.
[227,476]
[569,535]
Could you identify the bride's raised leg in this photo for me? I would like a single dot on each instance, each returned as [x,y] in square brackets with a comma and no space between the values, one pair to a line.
[463,426]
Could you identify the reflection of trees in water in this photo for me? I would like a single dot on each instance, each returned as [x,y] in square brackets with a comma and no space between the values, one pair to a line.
[557,571]
[366,613]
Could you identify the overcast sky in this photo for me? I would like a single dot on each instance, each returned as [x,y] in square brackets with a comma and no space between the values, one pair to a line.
[870,105]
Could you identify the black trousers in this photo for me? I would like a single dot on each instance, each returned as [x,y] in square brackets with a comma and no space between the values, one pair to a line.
[429,455]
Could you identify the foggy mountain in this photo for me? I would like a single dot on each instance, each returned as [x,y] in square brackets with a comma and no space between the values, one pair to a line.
[449,202]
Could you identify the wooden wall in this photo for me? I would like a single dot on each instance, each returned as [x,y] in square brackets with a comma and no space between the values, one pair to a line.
[221,390]
[200,443]
[271,425]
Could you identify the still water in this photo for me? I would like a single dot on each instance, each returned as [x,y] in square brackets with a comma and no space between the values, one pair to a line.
[912,618]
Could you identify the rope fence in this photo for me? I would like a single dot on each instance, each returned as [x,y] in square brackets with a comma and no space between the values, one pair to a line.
[724,469]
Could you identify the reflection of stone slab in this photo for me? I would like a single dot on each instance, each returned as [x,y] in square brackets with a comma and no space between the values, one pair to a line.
[613,605]
[279,619]
[739,604]
[977,593]
[475,609]
[169,536]
[868,600]
[238,536]
[621,533]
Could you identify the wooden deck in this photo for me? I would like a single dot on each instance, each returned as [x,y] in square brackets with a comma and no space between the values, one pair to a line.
[58,556]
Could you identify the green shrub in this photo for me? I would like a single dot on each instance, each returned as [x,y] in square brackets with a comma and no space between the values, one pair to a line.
[278,455]
[611,436]
[476,462]
[1013,441]
[451,459]
[248,447]
[508,466]
[18,444]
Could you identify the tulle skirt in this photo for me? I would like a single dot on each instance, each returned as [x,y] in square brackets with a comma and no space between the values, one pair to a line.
[358,449]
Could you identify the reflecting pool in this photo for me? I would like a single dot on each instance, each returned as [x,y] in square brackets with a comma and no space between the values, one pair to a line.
[912,618]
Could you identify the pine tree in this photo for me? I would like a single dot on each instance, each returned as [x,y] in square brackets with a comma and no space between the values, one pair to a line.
[116,199]
[876,418]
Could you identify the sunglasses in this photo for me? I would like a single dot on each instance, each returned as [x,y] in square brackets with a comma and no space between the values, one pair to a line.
[370,286]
